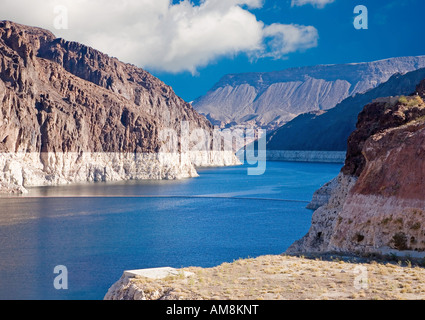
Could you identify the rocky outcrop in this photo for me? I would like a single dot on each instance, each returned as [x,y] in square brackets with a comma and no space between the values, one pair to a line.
[325,218]
[378,204]
[270,99]
[70,113]
[131,285]
[322,196]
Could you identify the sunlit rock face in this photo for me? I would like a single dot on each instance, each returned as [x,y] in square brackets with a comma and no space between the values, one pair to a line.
[377,204]
[271,99]
[70,113]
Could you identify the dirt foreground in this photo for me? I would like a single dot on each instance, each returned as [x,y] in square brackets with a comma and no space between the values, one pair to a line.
[287,278]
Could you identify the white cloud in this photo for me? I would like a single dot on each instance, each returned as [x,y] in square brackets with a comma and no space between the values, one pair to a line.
[164,36]
[317,3]
[283,39]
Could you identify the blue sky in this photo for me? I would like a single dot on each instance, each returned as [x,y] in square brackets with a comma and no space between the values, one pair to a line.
[395,29]
[191,44]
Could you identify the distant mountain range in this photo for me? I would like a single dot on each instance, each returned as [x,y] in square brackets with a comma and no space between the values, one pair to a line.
[271,99]
[329,131]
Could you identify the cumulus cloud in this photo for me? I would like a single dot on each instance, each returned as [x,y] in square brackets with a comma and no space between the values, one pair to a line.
[164,36]
[317,3]
[283,39]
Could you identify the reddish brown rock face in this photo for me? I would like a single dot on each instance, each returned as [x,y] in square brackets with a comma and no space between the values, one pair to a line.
[378,118]
[63,96]
[378,204]
[385,150]
[385,210]
[69,113]
[395,165]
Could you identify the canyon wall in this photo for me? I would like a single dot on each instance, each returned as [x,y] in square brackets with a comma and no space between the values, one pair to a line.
[69,113]
[377,203]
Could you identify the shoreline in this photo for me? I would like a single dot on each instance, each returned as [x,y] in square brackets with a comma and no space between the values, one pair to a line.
[307,156]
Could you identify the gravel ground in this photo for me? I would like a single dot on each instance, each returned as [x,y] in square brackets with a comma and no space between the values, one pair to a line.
[292,278]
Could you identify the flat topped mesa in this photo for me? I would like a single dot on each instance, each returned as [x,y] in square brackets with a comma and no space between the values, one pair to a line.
[272,99]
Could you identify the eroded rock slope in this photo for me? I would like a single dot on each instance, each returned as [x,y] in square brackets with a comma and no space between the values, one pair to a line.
[69,113]
[377,204]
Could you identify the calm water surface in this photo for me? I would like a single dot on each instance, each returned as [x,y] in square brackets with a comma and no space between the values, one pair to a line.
[99,230]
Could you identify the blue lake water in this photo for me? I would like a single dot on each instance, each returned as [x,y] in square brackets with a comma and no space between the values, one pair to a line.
[99,230]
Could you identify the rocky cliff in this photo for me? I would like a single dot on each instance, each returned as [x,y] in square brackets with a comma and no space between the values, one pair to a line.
[271,99]
[377,203]
[70,113]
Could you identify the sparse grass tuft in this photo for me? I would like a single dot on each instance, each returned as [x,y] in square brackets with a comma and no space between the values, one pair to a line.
[411,101]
